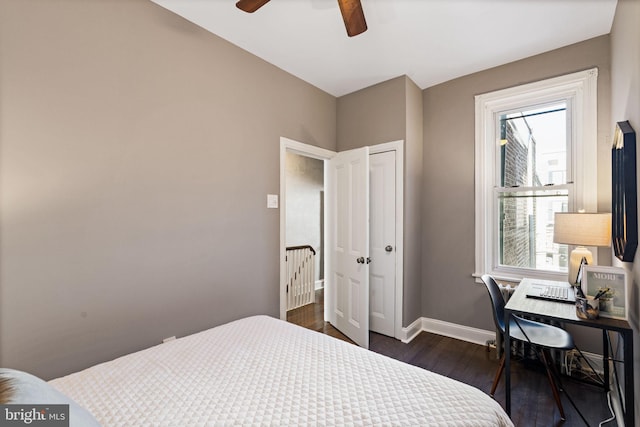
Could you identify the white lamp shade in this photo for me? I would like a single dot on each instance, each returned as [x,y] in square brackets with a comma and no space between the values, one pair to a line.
[583,229]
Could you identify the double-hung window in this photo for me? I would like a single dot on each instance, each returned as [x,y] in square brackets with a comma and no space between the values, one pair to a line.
[535,154]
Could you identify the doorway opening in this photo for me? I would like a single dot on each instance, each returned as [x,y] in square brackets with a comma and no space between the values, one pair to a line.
[304,233]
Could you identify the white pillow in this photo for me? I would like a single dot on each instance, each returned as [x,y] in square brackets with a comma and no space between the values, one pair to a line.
[31,390]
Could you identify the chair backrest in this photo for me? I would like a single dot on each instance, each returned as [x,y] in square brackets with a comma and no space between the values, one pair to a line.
[497,301]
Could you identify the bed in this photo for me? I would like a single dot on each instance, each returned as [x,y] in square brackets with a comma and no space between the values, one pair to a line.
[264,371]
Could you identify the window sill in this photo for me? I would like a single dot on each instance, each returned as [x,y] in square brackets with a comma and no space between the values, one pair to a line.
[517,276]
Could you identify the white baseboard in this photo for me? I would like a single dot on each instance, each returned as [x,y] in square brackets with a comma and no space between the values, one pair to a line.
[469,334]
[411,331]
[452,330]
[319,284]
[447,329]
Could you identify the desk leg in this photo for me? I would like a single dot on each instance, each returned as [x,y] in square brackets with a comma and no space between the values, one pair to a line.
[507,362]
[605,358]
[629,396]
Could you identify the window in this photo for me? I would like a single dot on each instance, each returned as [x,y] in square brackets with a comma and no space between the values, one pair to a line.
[535,155]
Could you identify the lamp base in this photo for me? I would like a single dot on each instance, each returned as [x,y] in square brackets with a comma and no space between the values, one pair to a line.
[574,262]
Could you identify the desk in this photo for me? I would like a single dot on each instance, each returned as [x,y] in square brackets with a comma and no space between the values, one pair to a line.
[566,313]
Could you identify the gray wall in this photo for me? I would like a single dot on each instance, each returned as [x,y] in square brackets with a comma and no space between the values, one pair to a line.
[128,202]
[449,292]
[625,105]
[413,219]
[386,112]
[373,115]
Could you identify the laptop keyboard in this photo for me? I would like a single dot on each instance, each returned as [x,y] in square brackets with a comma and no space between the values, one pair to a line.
[555,292]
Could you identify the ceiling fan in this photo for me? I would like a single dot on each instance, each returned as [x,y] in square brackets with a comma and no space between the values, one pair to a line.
[351,10]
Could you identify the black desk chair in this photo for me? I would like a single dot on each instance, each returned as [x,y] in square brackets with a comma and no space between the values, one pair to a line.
[541,336]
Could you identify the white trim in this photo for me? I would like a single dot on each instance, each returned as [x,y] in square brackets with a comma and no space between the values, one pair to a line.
[580,89]
[447,329]
[460,332]
[319,284]
[472,335]
[287,144]
[398,147]
[411,331]
[307,150]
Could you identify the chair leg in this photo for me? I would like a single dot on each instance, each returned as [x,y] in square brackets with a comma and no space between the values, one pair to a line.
[546,357]
[496,380]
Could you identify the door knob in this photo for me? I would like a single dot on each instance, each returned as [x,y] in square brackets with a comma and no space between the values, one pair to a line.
[388,248]
[360,260]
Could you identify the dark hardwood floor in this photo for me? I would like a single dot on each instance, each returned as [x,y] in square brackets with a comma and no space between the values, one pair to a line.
[531,398]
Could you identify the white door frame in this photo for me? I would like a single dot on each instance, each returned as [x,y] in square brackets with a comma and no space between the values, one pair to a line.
[312,151]
[290,145]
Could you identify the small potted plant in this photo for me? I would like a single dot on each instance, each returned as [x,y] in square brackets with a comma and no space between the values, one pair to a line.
[606,299]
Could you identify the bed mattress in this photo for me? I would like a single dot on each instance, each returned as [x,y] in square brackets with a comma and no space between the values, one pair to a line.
[264,371]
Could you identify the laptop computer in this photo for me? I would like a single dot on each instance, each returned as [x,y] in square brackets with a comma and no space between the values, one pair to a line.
[560,292]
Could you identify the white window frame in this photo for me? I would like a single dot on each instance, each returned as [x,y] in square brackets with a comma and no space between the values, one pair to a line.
[580,91]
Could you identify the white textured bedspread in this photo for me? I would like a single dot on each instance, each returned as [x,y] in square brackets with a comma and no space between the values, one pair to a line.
[264,371]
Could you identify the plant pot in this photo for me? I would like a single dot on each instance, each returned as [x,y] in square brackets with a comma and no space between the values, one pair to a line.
[606,304]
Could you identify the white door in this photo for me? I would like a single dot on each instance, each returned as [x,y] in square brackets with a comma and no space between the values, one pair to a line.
[382,236]
[348,244]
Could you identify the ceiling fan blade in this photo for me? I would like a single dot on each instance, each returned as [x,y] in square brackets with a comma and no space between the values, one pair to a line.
[250,6]
[353,17]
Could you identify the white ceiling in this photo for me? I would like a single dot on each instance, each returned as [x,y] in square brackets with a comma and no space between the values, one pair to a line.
[431,41]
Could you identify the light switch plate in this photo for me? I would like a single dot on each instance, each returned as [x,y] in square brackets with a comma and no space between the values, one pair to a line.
[272,201]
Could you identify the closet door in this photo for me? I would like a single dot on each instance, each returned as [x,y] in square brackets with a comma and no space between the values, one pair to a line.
[382,237]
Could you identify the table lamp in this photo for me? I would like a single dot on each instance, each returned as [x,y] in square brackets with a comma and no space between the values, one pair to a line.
[581,229]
